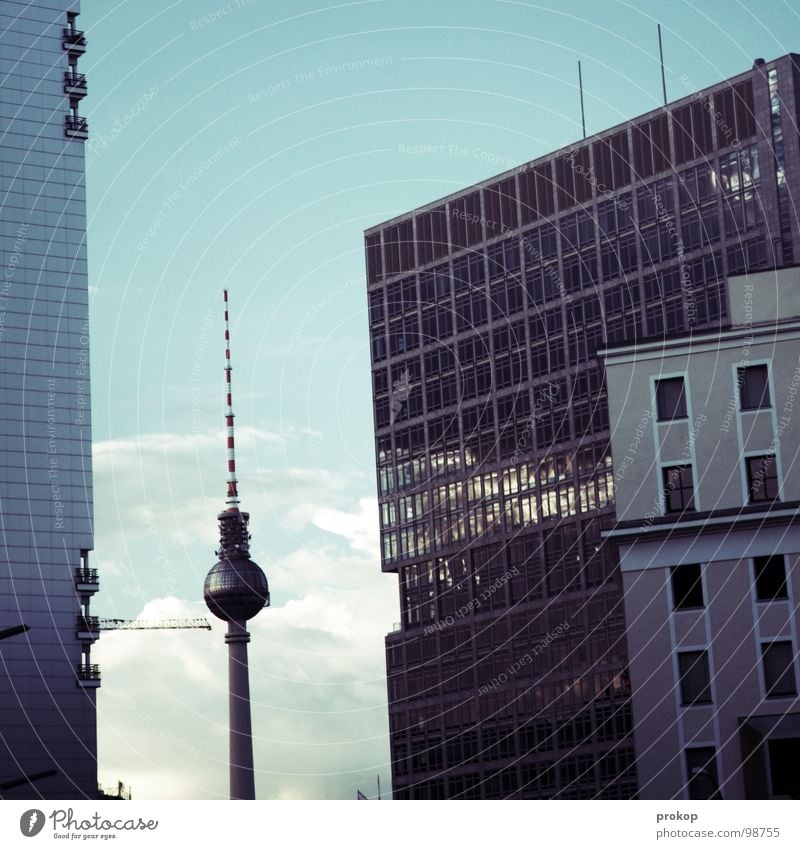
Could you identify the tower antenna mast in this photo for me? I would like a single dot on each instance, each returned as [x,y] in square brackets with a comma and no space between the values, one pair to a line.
[235,590]
[233,491]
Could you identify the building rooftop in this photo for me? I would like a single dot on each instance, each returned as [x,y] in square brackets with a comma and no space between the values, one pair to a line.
[776,308]
[578,143]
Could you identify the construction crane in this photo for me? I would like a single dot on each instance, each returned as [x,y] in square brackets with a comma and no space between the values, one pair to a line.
[97,623]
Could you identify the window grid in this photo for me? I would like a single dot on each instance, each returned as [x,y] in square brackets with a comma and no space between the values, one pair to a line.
[678,488]
[762,478]
[559,261]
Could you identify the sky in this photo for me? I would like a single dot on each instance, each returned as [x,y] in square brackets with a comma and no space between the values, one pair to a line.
[248,145]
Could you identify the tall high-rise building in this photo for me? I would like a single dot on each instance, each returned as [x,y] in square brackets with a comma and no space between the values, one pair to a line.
[507,674]
[48,744]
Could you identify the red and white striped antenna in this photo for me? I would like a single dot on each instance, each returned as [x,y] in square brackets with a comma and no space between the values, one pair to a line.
[233,493]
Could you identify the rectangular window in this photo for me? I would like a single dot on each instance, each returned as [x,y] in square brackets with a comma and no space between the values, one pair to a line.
[695,681]
[762,478]
[770,577]
[753,387]
[778,660]
[678,488]
[670,399]
[627,252]
[687,586]
[701,769]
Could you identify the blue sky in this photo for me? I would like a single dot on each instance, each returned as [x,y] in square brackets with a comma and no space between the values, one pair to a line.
[248,145]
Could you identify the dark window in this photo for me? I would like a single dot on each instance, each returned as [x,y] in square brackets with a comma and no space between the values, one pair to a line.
[398,244]
[762,478]
[548,243]
[611,162]
[609,258]
[753,387]
[378,348]
[500,205]
[770,577]
[432,234]
[374,258]
[784,755]
[465,221]
[670,399]
[690,230]
[695,680]
[687,587]
[627,252]
[678,488]
[572,273]
[778,659]
[701,769]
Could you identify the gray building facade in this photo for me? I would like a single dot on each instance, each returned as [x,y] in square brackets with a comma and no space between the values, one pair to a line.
[706,447]
[48,745]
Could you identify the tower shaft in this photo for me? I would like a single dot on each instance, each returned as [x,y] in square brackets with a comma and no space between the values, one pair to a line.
[242,779]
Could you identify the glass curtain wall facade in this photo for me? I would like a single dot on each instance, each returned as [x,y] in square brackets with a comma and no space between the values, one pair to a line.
[507,672]
[47,680]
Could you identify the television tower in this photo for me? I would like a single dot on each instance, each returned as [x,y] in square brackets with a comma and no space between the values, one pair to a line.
[235,590]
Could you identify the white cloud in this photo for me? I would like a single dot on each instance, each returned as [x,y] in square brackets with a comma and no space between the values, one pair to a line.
[318,697]
[318,684]
[357,528]
[173,485]
[132,448]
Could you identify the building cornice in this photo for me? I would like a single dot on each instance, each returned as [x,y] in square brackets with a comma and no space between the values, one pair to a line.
[718,340]
[752,516]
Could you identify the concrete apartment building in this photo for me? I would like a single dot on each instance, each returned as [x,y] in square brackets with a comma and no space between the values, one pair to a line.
[48,744]
[706,447]
[507,674]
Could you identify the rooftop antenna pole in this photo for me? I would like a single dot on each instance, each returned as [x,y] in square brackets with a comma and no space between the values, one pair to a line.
[661,55]
[580,86]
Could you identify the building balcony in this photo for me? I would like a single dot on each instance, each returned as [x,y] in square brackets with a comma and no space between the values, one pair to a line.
[76,127]
[86,580]
[75,84]
[73,41]
[88,675]
[88,628]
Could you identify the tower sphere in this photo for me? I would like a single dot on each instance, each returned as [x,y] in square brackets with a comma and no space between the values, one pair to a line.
[236,589]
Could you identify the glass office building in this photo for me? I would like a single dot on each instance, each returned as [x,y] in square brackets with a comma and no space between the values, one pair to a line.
[507,673]
[48,745]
